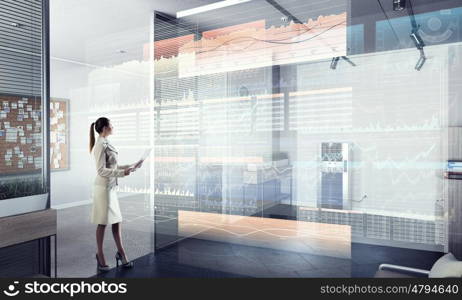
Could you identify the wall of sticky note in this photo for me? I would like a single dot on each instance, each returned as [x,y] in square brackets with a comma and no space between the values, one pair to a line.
[20,134]
[59,134]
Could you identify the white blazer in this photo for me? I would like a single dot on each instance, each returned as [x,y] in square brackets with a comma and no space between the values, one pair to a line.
[106,163]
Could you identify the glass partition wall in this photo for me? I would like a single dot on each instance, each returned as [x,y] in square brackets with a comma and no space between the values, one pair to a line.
[305,125]
[102,73]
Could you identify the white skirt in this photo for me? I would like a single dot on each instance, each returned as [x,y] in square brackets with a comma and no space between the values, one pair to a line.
[105,209]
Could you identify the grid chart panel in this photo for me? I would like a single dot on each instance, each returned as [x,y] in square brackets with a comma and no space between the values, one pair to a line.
[178,120]
[380,227]
[415,231]
[231,115]
[144,125]
[321,110]
[269,113]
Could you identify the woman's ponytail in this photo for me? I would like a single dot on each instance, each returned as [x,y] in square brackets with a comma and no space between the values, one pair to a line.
[97,126]
[92,136]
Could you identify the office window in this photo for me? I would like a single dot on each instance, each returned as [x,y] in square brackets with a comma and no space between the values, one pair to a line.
[21,104]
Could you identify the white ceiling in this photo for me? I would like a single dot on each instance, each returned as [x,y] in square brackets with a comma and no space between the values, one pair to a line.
[93,31]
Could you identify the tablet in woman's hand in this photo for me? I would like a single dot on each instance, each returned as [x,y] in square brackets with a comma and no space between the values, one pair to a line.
[138,164]
[146,154]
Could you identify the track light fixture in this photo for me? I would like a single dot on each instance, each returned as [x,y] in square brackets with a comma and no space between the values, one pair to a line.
[334,62]
[286,19]
[399,5]
[416,38]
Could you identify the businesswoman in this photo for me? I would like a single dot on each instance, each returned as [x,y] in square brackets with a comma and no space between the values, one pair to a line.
[105,209]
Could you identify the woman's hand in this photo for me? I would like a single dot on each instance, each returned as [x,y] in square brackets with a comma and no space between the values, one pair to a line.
[127,171]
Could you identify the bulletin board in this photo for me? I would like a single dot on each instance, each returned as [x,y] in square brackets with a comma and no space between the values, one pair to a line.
[59,134]
[20,134]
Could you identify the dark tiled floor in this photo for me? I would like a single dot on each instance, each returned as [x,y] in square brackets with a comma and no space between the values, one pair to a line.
[200,258]
[367,258]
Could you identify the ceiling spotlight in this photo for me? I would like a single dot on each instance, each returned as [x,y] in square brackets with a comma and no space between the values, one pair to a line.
[421,61]
[121,51]
[334,62]
[14,24]
[399,5]
[348,61]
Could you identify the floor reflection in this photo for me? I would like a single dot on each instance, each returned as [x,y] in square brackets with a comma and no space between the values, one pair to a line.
[268,233]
